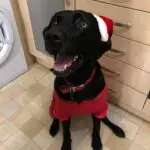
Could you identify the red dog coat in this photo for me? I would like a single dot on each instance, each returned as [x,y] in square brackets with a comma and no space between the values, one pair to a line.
[63,110]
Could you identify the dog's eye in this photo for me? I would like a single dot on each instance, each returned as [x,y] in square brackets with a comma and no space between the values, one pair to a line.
[57,20]
[81,24]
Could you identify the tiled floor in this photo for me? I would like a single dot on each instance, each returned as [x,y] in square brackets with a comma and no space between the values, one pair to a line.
[24,119]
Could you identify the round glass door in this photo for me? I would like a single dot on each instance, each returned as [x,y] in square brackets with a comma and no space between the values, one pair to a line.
[6,37]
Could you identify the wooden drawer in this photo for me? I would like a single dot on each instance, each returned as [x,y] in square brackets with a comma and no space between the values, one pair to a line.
[135,54]
[124,95]
[135,4]
[126,74]
[140,30]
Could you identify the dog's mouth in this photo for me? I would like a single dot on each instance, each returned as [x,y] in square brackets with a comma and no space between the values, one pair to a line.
[63,66]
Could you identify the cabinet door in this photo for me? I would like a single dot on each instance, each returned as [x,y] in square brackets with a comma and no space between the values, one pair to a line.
[36,15]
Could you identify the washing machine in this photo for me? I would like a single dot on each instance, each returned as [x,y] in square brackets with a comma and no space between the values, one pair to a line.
[12,59]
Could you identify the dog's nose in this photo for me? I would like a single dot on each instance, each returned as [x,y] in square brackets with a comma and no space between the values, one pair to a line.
[56,37]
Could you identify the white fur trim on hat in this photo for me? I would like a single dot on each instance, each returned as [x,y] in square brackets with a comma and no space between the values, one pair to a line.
[102,28]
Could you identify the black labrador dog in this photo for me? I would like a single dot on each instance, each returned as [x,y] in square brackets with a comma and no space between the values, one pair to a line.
[74,40]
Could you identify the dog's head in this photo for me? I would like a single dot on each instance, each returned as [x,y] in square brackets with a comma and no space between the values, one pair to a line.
[75,38]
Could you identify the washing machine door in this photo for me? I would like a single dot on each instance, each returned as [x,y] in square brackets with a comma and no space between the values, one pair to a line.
[6,37]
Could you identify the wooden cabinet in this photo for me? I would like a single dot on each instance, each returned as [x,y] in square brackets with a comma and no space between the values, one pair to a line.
[127,66]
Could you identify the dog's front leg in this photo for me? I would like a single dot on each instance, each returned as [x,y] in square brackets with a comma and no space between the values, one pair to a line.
[96,140]
[66,135]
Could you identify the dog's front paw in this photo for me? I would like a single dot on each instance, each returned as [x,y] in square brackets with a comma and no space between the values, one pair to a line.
[66,146]
[96,144]
[54,128]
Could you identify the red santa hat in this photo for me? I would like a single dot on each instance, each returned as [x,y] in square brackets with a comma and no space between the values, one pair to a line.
[105,27]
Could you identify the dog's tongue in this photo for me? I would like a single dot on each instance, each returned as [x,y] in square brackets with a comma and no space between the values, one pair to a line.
[62,64]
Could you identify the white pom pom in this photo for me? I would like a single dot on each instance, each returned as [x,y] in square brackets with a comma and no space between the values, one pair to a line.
[102,28]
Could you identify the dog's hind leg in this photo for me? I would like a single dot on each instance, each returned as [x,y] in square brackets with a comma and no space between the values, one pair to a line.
[96,140]
[66,135]
[115,129]
[54,128]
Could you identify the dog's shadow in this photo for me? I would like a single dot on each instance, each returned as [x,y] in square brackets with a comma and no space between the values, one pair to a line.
[81,123]
[81,127]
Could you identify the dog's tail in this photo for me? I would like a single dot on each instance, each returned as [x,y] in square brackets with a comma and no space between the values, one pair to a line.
[54,127]
[114,128]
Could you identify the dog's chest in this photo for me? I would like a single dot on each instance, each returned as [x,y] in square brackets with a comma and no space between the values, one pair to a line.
[65,109]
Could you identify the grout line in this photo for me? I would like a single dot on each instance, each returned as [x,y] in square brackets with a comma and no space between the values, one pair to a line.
[136,135]
[141,147]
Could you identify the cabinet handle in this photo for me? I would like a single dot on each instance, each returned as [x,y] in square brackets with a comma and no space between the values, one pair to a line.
[111,90]
[123,25]
[118,51]
[110,71]
[68,2]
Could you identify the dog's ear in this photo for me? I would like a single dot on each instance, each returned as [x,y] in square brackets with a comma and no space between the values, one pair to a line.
[52,20]
[104,46]
[57,16]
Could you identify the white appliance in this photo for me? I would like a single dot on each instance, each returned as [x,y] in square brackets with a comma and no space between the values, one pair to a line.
[12,60]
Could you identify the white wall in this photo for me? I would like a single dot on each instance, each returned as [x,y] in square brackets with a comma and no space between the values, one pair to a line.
[41,12]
